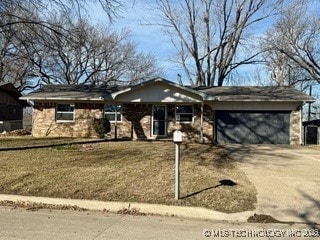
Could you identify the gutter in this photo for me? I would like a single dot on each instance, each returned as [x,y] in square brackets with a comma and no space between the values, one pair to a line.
[30,102]
[61,99]
[217,99]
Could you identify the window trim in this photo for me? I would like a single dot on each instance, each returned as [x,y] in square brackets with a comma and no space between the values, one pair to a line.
[73,113]
[113,113]
[176,113]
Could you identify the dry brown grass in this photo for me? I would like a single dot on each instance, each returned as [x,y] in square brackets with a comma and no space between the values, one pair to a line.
[315,147]
[128,171]
[29,141]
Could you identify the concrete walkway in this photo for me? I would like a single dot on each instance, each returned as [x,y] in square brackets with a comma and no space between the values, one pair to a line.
[287,179]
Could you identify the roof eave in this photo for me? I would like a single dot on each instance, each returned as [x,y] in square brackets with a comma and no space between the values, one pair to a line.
[217,99]
[60,99]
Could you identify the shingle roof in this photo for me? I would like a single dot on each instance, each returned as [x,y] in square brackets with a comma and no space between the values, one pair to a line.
[73,92]
[101,93]
[255,94]
[9,87]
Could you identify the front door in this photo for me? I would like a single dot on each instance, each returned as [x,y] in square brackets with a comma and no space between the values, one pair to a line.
[159,125]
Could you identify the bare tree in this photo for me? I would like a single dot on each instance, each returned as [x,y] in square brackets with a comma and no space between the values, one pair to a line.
[62,47]
[24,22]
[15,65]
[210,36]
[115,58]
[76,52]
[67,58]
[45,7]
[292,50]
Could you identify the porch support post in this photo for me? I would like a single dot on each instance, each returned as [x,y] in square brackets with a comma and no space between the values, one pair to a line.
[201,123]
[116,122]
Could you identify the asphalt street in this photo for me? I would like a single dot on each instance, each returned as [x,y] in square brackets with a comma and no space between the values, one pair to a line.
[54,224]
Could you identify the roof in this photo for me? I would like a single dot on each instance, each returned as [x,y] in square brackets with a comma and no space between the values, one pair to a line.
[240,93]
[156,82]
[73,92]
[102,92]
[10,88]
[146,83]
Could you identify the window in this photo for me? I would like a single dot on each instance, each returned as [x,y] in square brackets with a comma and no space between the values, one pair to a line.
[65,112]
[184,113]
[113,112]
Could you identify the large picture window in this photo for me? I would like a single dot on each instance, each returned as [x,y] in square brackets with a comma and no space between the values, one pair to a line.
[184,113]
[113,112]
[65,112]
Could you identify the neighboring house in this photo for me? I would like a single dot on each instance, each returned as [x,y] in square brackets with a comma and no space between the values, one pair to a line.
[11,108]
[154,109]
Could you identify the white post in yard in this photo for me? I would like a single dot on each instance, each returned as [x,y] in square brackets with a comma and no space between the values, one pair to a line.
[201,123]
[177,139]
[177,174]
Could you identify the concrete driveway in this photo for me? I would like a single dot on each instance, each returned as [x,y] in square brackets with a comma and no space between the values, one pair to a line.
[287,179]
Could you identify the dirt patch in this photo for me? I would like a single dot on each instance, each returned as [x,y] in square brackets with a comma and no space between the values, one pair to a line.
[18,132]
[37,206]
[262,218]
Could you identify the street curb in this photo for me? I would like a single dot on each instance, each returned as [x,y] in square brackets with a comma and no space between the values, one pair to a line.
[165,210]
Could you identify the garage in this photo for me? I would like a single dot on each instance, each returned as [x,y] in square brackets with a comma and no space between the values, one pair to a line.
[253,127]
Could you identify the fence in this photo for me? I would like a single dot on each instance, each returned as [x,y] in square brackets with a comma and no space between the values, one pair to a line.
[311,135]
[10,125]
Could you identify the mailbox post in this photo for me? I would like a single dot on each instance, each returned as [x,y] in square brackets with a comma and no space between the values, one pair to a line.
[177,139]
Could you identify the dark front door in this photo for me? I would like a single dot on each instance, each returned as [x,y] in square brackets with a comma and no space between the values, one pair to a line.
[159,125]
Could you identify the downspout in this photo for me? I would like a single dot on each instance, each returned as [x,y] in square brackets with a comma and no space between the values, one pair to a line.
[30,102]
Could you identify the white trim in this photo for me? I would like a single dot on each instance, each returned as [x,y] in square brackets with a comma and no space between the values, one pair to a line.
[252,106]
[73,113]
[27,98]
[188,122]
[114,113]
[161,80]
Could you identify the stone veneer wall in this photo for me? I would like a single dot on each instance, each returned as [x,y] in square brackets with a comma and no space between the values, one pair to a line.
[296,126]
[45,125]
[137,123]
[192,130]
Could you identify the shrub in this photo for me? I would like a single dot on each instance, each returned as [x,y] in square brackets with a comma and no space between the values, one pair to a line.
[101,126]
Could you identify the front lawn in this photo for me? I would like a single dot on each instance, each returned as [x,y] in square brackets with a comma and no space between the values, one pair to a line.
[29,141]
[130,171]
